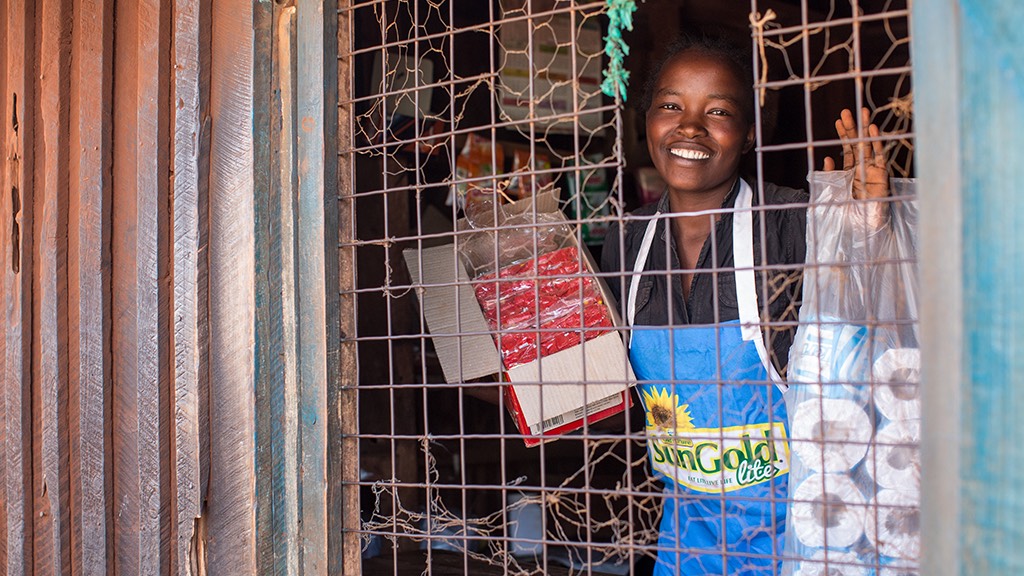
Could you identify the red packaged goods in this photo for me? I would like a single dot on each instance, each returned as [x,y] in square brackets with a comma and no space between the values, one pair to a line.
[529,321]
[543,300]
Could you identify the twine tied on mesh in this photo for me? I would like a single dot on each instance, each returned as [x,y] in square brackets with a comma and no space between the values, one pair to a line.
[758,22]
[616,77]
[902,107]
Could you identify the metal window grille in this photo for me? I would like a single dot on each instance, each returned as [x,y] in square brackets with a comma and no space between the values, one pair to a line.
[457,113]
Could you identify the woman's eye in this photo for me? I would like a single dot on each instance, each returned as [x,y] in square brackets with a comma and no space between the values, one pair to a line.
[719,112]
[668,106]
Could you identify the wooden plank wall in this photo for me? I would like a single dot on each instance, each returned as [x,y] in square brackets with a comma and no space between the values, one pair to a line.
[165,348]
[17,218]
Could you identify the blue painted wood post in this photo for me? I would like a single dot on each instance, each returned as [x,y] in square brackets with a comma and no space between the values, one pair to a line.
[317,252]
[969,88]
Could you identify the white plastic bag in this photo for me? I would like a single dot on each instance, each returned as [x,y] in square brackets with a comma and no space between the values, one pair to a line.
[853,401]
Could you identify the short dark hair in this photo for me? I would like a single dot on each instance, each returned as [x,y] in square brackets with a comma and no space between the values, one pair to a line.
[709,42]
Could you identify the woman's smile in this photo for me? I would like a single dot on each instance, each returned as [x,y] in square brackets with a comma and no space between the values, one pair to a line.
[689,154]
[698,125]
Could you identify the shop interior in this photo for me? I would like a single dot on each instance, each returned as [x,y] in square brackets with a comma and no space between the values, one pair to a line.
[447,449]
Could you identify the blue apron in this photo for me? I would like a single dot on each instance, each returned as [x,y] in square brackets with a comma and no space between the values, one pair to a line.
[716,428]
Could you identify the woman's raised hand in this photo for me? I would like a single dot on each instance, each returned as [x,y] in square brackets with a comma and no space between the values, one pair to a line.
[872,179]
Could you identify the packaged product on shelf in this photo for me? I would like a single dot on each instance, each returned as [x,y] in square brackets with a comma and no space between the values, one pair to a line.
[480,157]
[528,178]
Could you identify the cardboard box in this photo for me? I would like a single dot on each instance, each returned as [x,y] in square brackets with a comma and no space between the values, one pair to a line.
[552,394]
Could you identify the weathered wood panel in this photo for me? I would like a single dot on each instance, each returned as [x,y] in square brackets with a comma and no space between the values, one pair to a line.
[231,496]
[967,56]
[343,451]
[5,129]
[936,64]
[154,279]
[17,277]
[4,232]
[991,120]
[50,483]
[89,202]
[286,402]
[124,297]
[315,20]
[152,270]
[188,203]
[139,206]
[277,370]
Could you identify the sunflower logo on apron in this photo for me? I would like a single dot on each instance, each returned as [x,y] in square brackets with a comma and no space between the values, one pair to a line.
[664,413]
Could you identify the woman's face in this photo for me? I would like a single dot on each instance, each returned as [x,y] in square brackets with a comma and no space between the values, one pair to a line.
[697,125]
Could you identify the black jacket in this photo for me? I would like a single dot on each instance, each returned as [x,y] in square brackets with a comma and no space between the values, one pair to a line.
[784,244]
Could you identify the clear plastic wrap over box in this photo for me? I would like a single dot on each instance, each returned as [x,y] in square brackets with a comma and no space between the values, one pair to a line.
[498,295]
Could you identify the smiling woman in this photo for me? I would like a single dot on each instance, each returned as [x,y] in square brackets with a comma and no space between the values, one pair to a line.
[706,374]
[480,150]
[698,127]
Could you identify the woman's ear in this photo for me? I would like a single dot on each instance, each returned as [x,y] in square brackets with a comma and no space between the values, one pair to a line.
[748,144]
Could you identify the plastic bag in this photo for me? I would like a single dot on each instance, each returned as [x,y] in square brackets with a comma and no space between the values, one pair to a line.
[853,400]
[533,285]
[504,239]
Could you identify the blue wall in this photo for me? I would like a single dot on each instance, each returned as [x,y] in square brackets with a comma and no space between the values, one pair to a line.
[969,104]
[992,129]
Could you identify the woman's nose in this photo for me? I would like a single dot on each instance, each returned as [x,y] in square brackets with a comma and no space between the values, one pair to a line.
[691,125]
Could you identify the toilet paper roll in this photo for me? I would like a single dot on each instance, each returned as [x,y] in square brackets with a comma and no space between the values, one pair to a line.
[894,459]
[832,563]
[828,355]
[897,375]
[893,524]
[830,434]
[828,511]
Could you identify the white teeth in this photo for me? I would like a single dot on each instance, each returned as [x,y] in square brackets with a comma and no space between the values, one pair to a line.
[689,154]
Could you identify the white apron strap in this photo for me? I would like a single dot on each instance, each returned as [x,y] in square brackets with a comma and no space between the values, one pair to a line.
[638,268]
[746,291]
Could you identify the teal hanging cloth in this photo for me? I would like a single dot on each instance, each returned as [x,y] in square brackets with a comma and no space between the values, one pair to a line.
[616,77]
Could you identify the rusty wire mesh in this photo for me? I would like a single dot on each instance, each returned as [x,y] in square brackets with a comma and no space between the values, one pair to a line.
[447,485]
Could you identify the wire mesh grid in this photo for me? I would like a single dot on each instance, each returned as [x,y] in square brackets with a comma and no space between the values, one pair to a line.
[495,202]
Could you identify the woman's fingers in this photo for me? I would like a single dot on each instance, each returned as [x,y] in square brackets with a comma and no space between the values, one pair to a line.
[849,124]
[865,118]
[848,157]
[846,129]
[871,179]
[877,147]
